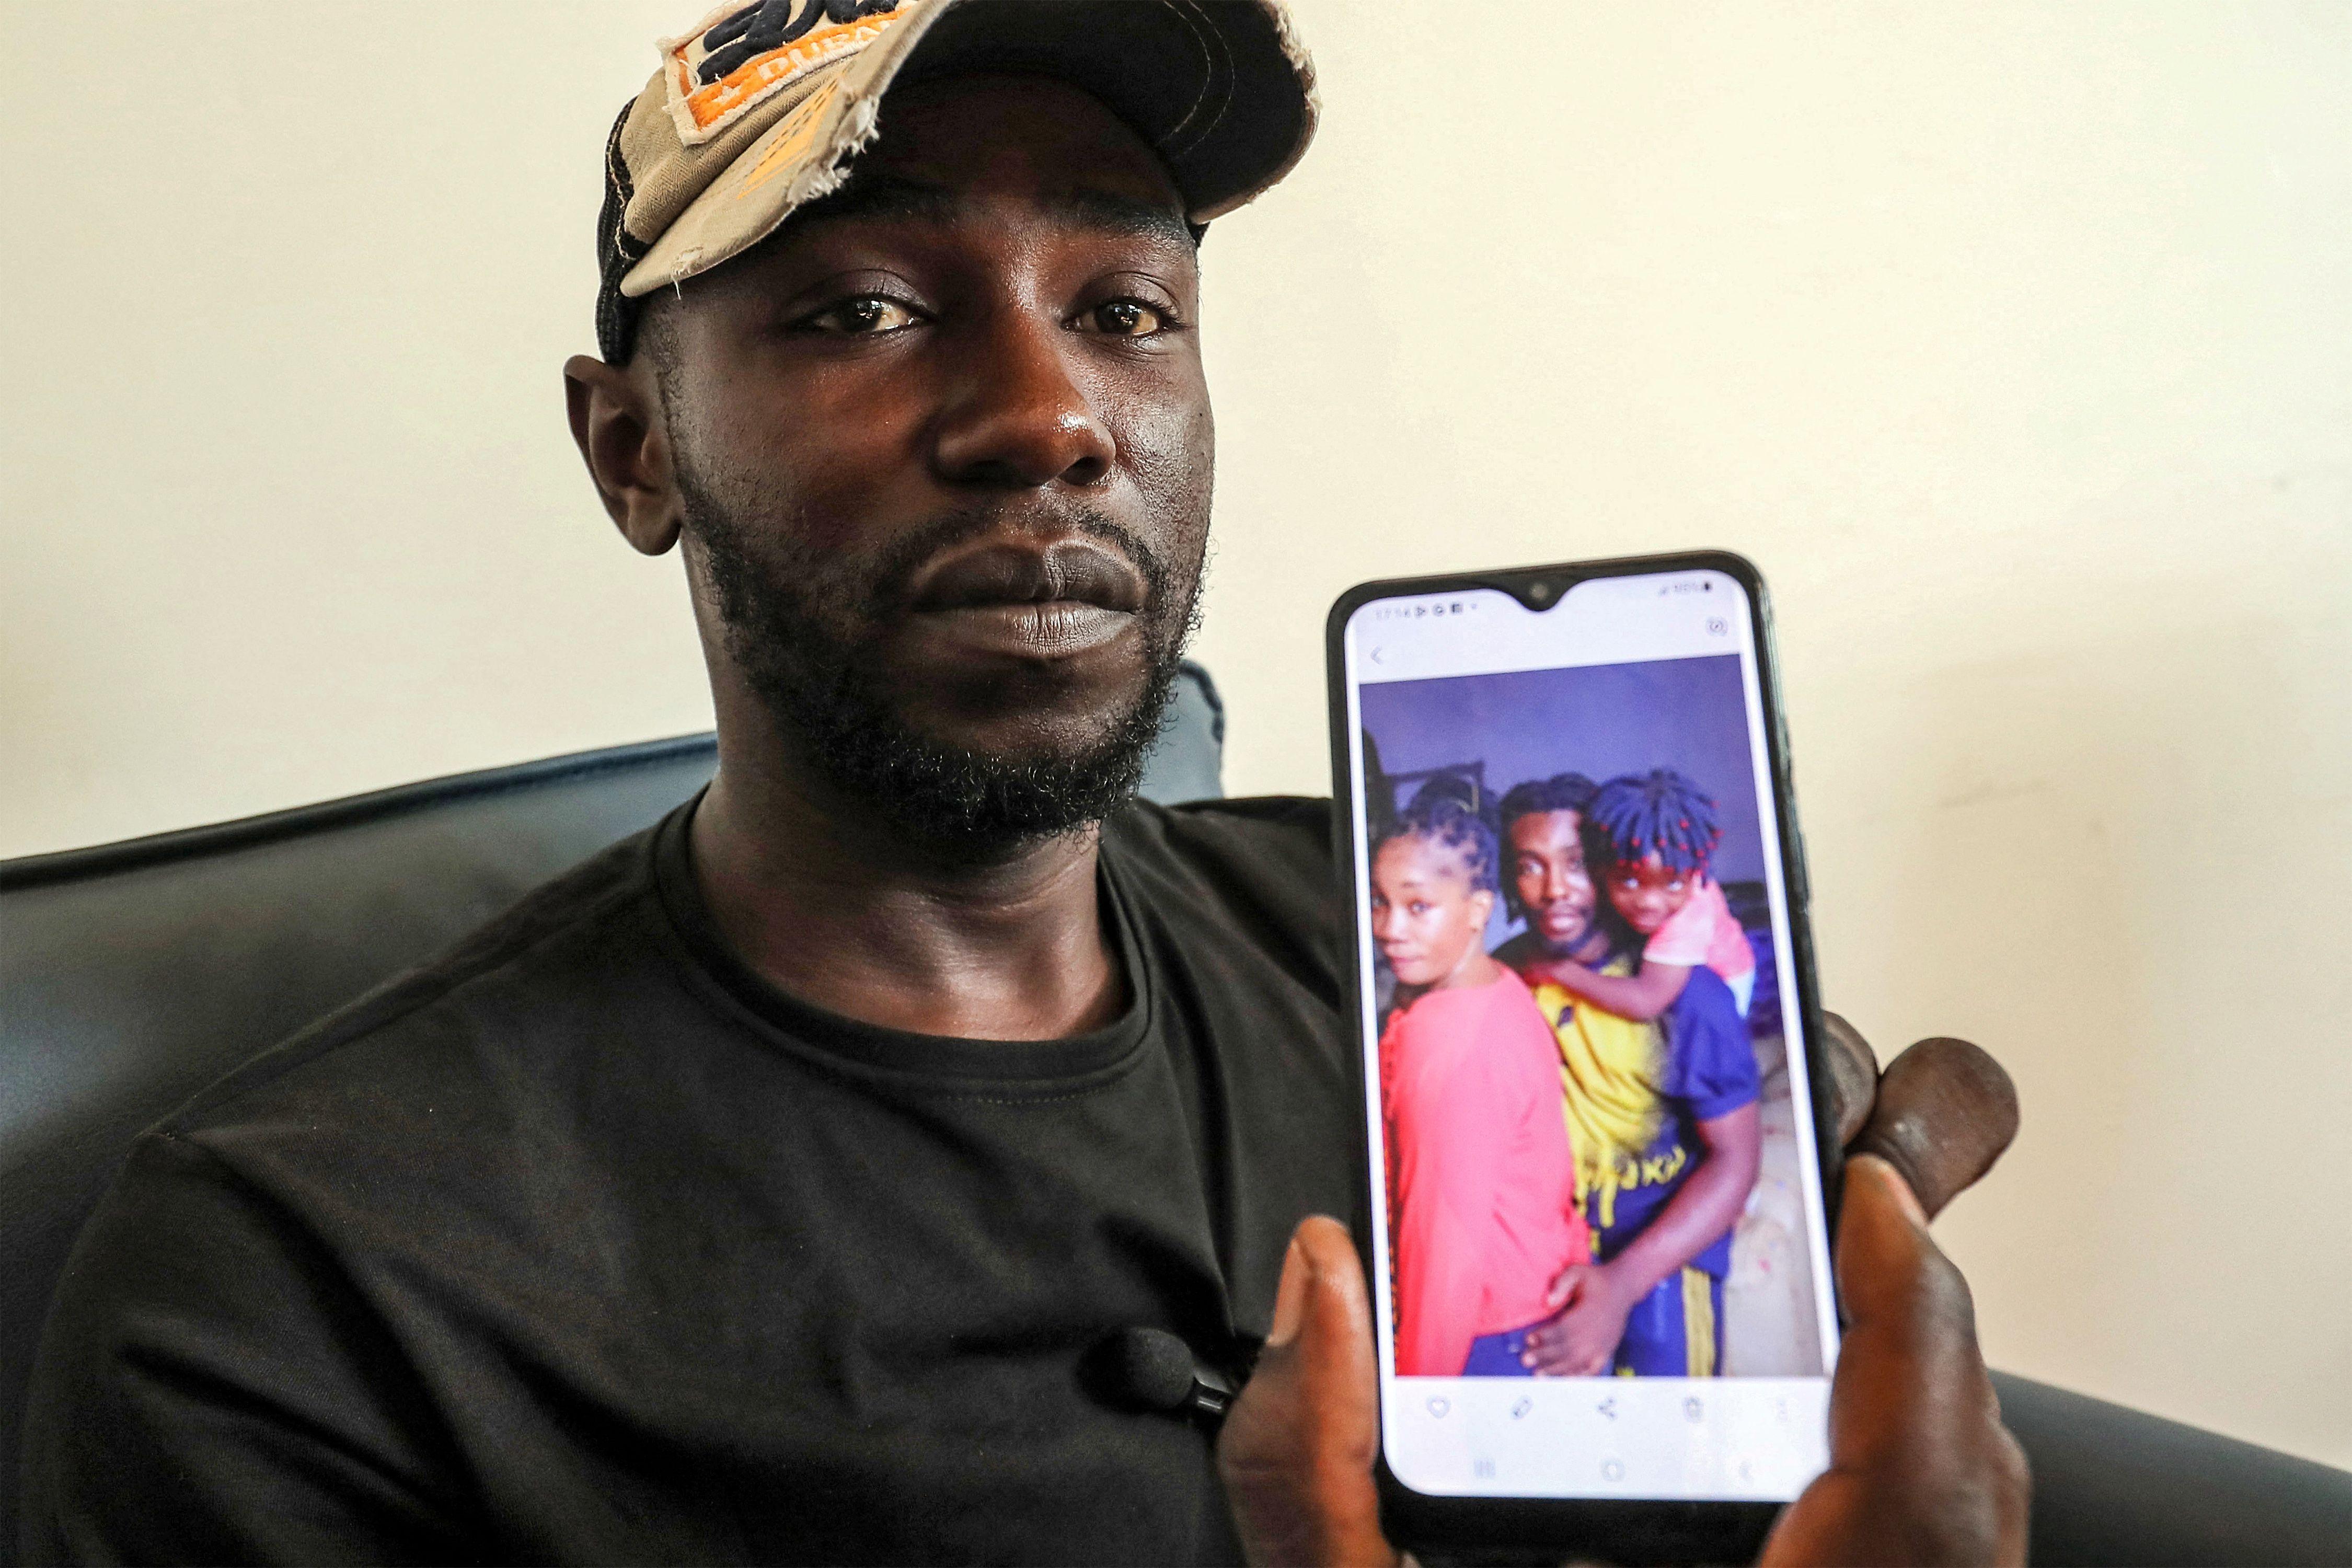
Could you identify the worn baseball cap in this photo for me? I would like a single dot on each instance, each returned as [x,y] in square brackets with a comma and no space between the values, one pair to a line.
[760,107]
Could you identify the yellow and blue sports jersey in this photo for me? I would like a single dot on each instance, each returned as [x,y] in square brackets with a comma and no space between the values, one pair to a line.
[1633,1094]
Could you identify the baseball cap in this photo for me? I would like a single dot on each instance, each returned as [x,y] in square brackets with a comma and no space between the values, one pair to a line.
[759,109]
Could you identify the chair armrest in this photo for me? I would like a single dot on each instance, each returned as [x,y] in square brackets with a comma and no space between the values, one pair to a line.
[2112,1485]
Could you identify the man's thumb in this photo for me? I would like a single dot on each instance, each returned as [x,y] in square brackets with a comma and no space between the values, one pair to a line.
[1910,1338]
[1297,1452]
[1321,1295]
[1567,1287]
[1318,1350]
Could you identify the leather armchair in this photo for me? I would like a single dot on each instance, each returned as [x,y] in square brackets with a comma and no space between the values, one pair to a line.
[136,972]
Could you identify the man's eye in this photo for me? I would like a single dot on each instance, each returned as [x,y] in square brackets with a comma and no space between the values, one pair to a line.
[1123,319]
[868,315]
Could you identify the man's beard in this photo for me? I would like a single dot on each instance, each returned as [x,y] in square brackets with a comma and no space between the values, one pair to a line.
[804,629]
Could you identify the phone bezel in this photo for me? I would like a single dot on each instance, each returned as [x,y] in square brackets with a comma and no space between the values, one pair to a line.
[1620,1530]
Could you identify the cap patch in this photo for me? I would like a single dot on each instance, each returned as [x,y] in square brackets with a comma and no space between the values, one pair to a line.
[791,141]
[743,54]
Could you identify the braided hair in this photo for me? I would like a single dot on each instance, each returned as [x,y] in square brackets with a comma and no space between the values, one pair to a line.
[1659,813]
[1444,818]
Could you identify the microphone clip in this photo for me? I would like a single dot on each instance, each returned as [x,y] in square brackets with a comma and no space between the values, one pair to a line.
[1147,1369]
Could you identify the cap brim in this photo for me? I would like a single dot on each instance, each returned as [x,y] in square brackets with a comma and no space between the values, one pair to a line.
[1222,89]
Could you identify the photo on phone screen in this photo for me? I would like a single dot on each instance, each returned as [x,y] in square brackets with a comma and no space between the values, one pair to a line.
[1600,1257]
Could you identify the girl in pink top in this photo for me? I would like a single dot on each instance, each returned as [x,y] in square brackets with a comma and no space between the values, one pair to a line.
[1650,837]
[1482,1185]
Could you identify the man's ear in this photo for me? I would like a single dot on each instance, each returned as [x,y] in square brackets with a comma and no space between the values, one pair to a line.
[617,419]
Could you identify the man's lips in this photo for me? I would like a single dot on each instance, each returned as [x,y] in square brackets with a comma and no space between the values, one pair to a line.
[996,573]
[1019,600]
[1054,629]
[1562,919]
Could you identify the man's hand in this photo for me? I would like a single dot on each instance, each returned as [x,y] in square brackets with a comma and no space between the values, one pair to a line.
[1920,1468]
[1581,1341]
[1296,1451]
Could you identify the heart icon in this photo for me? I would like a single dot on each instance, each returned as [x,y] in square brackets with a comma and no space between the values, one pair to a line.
[1439,1407]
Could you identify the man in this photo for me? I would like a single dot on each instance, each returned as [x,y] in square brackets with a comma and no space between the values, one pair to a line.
[759,1190]
[1666,1116]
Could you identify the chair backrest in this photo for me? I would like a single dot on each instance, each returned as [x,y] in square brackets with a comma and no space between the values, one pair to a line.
[132,974]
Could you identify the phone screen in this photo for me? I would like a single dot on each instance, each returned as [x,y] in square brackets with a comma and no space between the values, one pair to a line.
[1584,1050]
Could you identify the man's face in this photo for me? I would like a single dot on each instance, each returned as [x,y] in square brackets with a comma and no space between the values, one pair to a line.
[943,450]
[1549,874]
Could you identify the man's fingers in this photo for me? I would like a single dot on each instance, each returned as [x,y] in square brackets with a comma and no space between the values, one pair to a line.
[1568,1286]
[1296,1451]
[1548,1355]
[1337,1362]
[1944,1112]
[1910,1343]
[1853,1075]
[1913,1420]
[1920,1470]
[1290,1295]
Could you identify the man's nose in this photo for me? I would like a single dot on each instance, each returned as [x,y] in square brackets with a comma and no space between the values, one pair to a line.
[1018,417]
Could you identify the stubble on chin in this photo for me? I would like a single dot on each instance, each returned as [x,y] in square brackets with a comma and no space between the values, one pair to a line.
[806,633]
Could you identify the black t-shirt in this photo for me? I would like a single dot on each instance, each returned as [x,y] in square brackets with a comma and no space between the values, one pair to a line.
[583,1243]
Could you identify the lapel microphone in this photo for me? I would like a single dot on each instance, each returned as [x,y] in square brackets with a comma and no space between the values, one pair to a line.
[1152,1369]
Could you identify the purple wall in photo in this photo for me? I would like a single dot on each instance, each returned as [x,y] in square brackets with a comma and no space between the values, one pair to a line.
[1597,719]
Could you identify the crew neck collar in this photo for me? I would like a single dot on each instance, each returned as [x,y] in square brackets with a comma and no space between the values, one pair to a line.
[935,1063]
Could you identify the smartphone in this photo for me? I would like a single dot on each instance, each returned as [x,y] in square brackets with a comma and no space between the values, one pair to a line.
[1600,1150]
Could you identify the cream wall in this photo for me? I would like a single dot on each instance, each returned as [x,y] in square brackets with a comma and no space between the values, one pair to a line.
[2015,342]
